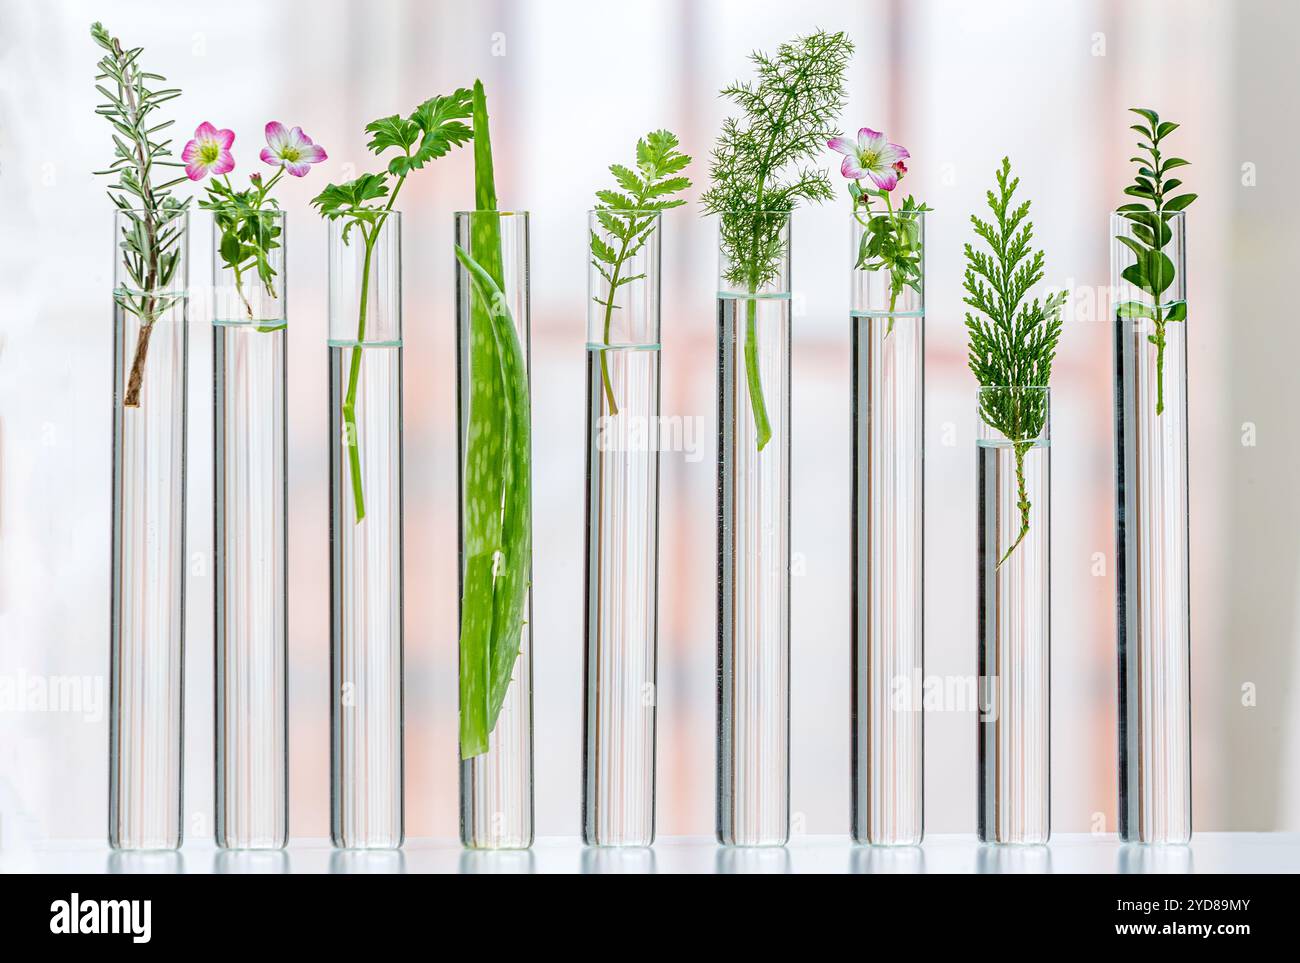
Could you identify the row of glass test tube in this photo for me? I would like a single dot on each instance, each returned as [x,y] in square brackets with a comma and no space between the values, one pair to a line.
[620,639]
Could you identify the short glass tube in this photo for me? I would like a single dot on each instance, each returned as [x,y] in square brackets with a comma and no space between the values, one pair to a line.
[887,347]
[622,547]
[365,430]
[1013,471]
[753,723]
[147,608]
[249,331]
[1153,600]
[496,785]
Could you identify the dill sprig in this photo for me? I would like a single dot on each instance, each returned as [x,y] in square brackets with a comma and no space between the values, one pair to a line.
[1152,270]
[150,243]
[1012,346]
[789,113]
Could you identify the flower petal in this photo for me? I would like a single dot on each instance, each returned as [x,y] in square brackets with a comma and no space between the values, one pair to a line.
[851,169]
[205,131]
[296,168]
[225,138]
[842,144]
[886,180]
[297,138]
[312,153]
[269,156]
[869,139]
[889,156]
[276,135]
[190,150]
[224,164]
[196,171]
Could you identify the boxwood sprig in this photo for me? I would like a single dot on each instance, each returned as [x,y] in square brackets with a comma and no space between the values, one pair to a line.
[1152,270]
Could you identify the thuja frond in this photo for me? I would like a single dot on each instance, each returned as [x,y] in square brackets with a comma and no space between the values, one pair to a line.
[150,240]
[627,217]
[1013,340]
[1152,270]
[762,167]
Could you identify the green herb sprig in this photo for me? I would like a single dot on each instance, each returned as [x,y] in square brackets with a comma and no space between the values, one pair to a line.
[1153,272]
[789,113]
[249,232]
[891,242]
[628,218]
[1013,345]
[150,243]
[430,132]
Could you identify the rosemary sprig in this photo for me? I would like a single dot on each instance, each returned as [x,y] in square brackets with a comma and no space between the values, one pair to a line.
[150,244]
[1152,270]
[1012,346]
[789,113]
[628,218]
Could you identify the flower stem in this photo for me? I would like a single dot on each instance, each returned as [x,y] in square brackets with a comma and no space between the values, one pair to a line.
[893,288]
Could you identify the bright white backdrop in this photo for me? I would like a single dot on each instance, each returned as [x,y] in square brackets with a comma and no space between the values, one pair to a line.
[572,85]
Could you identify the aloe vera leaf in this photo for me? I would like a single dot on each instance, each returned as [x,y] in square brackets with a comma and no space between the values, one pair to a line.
[512,569]
[486,441]
[484,453]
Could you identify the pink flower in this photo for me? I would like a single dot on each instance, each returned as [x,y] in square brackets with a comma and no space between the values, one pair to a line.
[290,149]
[208,153]
[871,156]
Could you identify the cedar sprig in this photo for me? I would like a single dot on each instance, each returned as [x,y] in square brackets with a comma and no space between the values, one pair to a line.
[1013,340]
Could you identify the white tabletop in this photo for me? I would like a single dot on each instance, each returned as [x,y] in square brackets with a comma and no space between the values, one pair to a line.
[1077,853]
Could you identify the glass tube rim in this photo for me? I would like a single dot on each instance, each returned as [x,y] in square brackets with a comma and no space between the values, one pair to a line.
[989,436]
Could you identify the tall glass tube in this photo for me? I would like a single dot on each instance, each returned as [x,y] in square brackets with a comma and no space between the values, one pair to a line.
[887,344]
[753,759]
[1148,278]
[1013,471]
[249,328]
[496,786]
[147,609]
[365,392]
[622,580]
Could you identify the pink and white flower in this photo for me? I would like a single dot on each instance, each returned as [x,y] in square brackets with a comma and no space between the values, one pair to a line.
[291,149]
[871,156]
[209,152]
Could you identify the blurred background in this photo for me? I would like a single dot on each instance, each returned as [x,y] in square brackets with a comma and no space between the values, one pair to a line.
[571,86]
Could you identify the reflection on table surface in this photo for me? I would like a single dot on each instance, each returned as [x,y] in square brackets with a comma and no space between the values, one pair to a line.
[1207,853]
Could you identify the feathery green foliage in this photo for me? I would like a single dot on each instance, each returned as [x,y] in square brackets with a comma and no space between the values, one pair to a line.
[497,475]
[150,243]
[1014,342]
[431,130]
[1152,270]
[628,218]
[789,113]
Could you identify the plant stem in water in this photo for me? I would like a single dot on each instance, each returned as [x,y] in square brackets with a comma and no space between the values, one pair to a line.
[354,376]
[1021,449]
